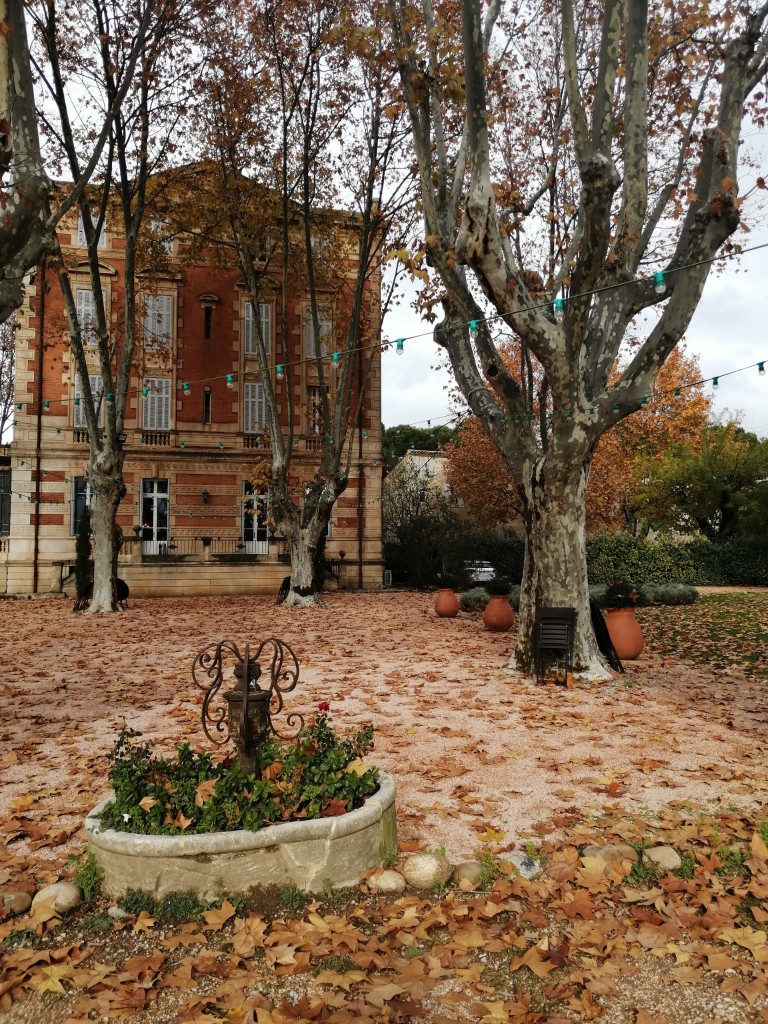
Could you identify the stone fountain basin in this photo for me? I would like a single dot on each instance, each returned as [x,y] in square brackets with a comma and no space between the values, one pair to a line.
[300,854]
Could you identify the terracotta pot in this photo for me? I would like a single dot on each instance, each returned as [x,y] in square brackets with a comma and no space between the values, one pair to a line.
[446,603]
[625,633]
[498,615]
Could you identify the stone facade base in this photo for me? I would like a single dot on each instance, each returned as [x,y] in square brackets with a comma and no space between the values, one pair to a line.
[302,854]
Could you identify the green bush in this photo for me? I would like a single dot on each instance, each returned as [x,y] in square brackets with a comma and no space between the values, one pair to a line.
[473,600]
[618,595]
[698,563]
[192,793]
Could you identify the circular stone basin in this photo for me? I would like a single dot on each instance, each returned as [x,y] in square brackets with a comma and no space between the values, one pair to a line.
[303,854]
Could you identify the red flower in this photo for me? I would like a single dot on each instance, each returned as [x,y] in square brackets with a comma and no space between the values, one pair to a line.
[323,706]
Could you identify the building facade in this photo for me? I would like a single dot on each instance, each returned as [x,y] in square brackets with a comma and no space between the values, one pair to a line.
[195,427]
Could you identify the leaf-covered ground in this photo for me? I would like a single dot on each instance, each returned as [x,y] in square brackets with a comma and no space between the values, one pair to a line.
[673,753]
[725,630]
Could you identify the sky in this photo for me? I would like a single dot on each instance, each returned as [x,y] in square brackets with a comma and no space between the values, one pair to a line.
[729,331]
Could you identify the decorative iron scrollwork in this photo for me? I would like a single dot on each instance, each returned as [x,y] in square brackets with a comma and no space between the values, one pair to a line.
[272,660]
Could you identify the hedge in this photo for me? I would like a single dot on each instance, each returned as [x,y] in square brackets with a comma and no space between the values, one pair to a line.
[737,562]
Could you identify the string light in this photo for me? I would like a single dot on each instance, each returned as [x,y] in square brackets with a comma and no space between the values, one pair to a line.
[399,346]
[644,400]
[715,383]
[761,369]
[335,358]
[185,387]
[230,380]
[279,372]
[144,391]
[46,404]
[658,283]
[110,397]
[558,304]
[473,326]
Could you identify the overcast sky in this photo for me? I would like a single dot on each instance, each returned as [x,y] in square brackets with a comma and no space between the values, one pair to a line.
[729,330]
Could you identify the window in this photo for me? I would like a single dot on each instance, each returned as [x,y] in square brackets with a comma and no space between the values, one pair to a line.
[250,333]
[5,501]
[81,500]
[86,315]
[315,410]
[155,509]
[255,534]
[156,412]
[310,347]
[158,310]
[79,418]
[207,405]
[160,233]
[255,414]
[82,240]
[207,322]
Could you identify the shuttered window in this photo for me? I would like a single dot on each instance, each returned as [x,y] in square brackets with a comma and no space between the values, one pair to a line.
[255,416]
[250,335]
[86,315]
[79,419]
[82,240]
[310,347]
[156,409]
[158,310]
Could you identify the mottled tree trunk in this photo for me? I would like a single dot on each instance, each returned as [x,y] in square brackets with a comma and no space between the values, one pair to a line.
[105,476]
[555,570]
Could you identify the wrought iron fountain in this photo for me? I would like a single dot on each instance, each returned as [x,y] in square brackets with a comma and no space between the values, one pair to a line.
[246,717]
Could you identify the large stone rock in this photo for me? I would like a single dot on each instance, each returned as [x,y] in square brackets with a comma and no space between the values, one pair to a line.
[16,902]
[304,854]
[663,857]
[467,875]
[622,851]
[526,866]
[426,870]
[61,897]
[386,881]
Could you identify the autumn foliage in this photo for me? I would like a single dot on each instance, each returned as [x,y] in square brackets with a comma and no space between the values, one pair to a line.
[479,475]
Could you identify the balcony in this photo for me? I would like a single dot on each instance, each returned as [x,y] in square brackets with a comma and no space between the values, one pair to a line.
[157,438]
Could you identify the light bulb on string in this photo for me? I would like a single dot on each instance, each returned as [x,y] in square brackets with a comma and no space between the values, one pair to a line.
[761,369]
[335,358]
[47,404]
[185,387]
[658,283]
[77,399]
[399,346]
[144,391]
[473,326]
[230,380]
[18,404]
[677,392]
[644,400]
[110,397]
[279,371]
[715,383]
[558,305]
[615,406]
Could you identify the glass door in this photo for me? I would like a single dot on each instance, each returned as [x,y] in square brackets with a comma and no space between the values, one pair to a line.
[154,517]
[255,535]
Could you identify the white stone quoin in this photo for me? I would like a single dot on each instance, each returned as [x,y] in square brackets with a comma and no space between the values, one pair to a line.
[303,854]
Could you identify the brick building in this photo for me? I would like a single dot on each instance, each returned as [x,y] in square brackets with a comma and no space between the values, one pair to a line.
[194,427]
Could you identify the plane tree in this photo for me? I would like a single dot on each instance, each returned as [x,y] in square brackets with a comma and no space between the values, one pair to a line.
[578,164]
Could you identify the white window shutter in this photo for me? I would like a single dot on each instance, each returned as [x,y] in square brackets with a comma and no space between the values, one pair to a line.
[254,411]
[86,315]
[157,404]
[325,336]
[249,338]
[79,420]
[81,239]
[158,310]
[265,312]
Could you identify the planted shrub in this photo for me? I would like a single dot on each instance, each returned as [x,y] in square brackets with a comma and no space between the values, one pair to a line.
[473,600]
[514,597]
[498,587]
[317,775]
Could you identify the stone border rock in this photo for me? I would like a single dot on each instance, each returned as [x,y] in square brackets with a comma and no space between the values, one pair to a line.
[303,854]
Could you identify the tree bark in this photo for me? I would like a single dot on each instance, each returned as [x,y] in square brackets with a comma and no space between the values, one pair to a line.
[555,568]
[105,475]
